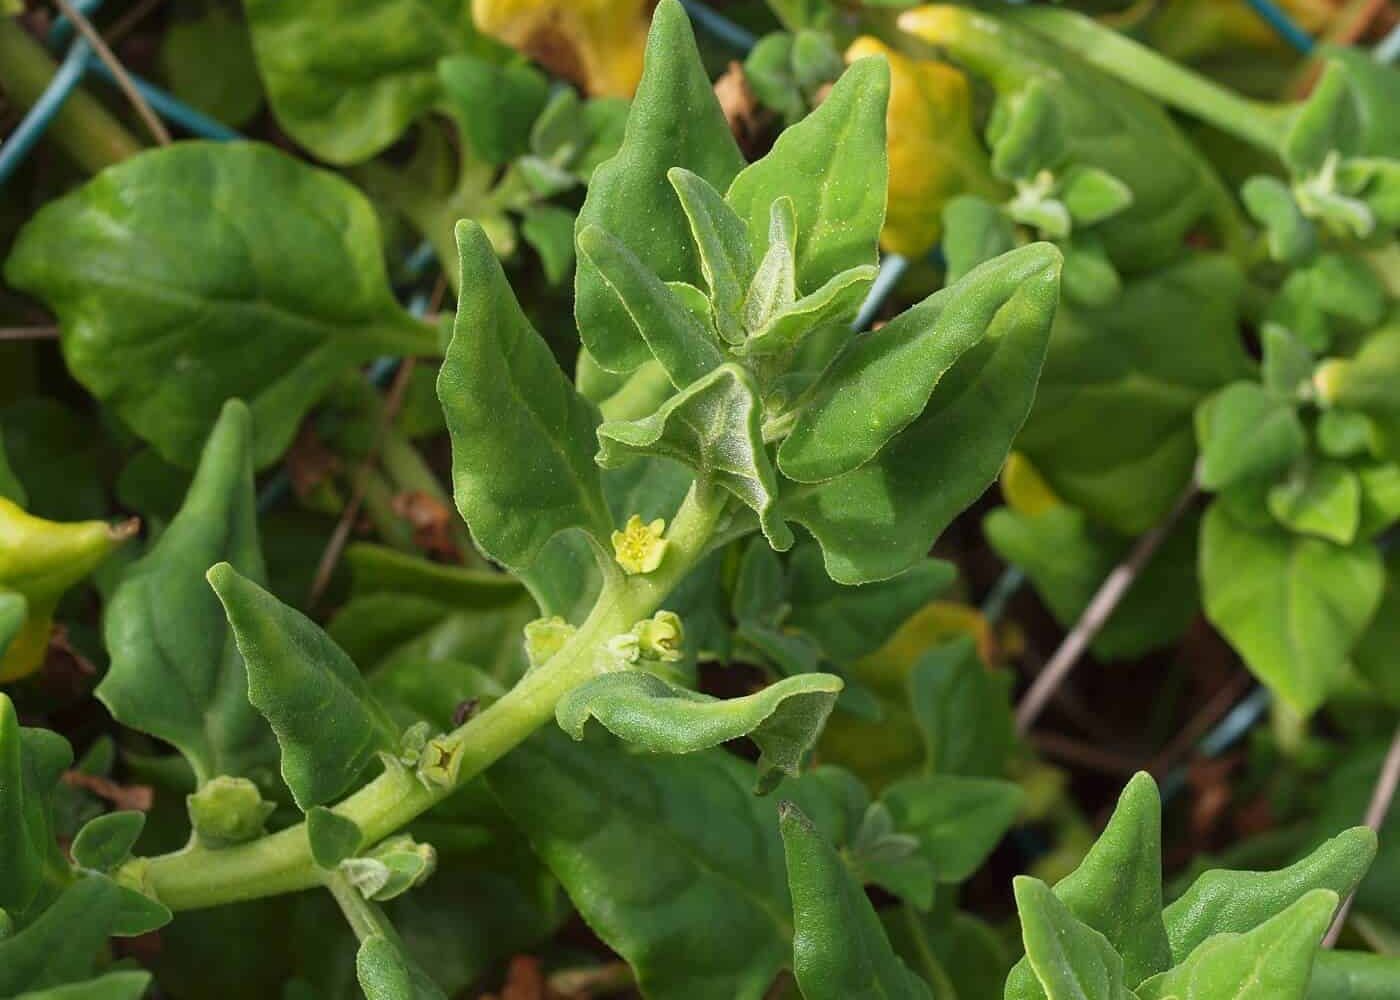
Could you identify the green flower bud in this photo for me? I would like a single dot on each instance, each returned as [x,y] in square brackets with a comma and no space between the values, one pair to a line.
[227,811]
[391,869]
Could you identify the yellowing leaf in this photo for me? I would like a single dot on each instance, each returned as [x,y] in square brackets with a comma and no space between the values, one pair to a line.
[1023,488]
[934,154]
[40,560]
[598,43]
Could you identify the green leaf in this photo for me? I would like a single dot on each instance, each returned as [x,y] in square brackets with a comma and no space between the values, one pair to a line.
[344,110]
[723,244]
[974,232]
[386,973]
[713,427]
[112,986]
[1353,975]
[14,609]
[1117,891]
[1273,961]
[207,56]
[1292,237]
[883,381]
[649,847]
[876,521]
[106,841]
[10,486]
[1293,606]
[1093,195]
[209,271]
[959,956]
[957,820]
[1111,431]
[839,948]
[1374,654]
[298,678]
[1067,557]
[833,166]
[784,719]
[1329,121]
[850,622]
[628,195]
[63,942]
[405,612]
[498,103]
[673,333]
[963,711]
[176,672]
[522,437]
[31,763]
[1323,499]
[833,305]
[549,229]
[1233,902]
[333,837]
[1070,959]
[1246,433]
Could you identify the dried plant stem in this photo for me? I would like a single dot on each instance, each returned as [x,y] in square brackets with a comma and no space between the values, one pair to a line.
[24,333]
[1096,615]
[119,73]
[1376,813]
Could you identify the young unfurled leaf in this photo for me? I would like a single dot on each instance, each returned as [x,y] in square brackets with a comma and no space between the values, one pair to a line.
[882,381]
[1117,891]
[832,165]
[834,304]
[209,271]
[31,763]
[345,111]
[333,837]
[723,244]
[648,847]
[879,519]
[39,561]
[713,427]
[957,820]
[784,719]
[1234,902]
[1273,961]
[522,436]
[629,196]
[298,678]
[1292,605]
[1070,959]
[1245,433]
[106,841]
[176,672]
[839,948]
[675,336]
[774,284]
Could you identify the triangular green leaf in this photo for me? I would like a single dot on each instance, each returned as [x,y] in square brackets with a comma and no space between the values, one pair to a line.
[1070,959]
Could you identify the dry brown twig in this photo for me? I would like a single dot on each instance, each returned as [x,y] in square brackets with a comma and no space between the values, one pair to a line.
[119,73]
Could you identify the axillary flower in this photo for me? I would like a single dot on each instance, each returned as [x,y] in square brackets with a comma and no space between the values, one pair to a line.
[639,547]
[598,43]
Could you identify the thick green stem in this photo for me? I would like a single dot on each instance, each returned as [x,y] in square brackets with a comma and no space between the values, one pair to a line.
[82,127]
[1253,121]
[197,877]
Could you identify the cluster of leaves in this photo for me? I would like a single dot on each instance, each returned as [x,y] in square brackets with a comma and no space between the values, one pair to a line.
[472,750]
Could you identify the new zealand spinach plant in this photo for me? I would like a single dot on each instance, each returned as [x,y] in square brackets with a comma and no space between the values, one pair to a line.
[663,678]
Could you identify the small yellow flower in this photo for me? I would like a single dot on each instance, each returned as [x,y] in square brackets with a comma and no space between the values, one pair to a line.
[546,636]
[596,43]
[639,547]
[934,155]
[660,637]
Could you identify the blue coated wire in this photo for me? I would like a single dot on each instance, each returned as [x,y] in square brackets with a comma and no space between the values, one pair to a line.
[1286,27]
[50,102]
[719,25]
[892,268]
[62,30]
[1227,732]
